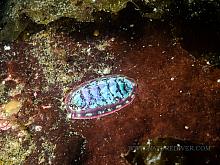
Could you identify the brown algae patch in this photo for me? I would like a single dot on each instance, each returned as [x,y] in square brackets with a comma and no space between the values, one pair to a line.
[8,112]
[12,107]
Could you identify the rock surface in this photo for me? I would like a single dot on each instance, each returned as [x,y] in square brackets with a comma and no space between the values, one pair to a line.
[177,96]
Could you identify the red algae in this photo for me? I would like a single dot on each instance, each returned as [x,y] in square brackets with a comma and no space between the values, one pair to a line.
[176,98]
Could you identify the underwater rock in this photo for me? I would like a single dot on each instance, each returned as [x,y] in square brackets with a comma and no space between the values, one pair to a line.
[11,23]
[196,25]
[156,9]
[173,151]
[51,10]
[15,15]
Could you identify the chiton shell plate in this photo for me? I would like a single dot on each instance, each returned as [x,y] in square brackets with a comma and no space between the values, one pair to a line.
[100,97]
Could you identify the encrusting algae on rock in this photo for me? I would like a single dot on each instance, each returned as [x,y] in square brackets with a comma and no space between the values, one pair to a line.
[14,149]
[12,107]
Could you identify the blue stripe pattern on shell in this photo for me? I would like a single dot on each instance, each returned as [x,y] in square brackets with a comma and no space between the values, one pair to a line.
[100,97]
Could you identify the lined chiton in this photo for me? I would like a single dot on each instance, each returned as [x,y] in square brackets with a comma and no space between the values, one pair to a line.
[100,97]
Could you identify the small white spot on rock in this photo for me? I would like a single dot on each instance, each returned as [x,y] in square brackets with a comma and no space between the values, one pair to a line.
[218,81]
[112,39]
[69,116]
[20,139]
[35,94]
[186,127]
[172,78]
[148,142]
[7,47]
[38,128]
[106,70]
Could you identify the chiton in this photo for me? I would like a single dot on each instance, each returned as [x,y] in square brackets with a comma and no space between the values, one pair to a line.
[100,97]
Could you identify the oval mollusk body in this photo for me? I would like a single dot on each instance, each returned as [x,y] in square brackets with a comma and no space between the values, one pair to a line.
[100,97]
